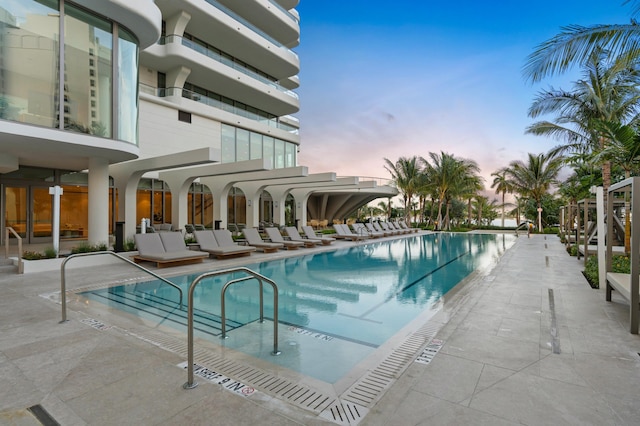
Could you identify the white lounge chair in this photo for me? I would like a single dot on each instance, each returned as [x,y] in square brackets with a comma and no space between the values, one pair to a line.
[254,239]
[276,237]
[343,231]
[361,229]
[165,249]
[311,235]
[403,225]
[380,231]
[385,227]
[210,243]
[294,235]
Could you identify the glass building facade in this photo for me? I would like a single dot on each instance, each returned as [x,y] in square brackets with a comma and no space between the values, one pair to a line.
[66,68]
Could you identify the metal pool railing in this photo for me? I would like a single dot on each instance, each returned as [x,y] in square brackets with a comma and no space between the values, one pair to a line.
[63,285]
[191,383]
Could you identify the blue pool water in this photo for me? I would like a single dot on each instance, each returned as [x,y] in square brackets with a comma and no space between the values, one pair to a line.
[360,296]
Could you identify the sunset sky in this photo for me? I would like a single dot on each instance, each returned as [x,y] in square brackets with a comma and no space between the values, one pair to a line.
[383,79]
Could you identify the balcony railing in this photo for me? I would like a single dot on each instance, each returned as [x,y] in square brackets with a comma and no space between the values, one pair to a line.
[226,61]
[249,25]
[270,121]
[289,14]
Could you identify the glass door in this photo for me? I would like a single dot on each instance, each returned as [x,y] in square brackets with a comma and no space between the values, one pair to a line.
[28,210]
[16,210]
[42,214]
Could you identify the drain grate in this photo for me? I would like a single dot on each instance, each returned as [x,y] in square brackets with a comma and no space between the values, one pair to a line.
[345,413]
[371,387]
[348,408]
[42,415]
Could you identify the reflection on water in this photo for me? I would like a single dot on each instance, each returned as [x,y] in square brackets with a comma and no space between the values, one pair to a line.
[361,295]
[364,293]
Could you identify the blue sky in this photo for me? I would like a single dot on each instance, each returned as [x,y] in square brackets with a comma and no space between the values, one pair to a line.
[383,79]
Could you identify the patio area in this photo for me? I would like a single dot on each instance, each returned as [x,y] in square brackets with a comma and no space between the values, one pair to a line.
[526,343]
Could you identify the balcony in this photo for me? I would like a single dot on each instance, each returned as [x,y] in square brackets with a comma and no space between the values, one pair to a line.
[231,33]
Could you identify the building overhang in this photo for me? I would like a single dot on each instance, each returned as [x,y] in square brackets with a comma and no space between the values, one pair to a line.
[52,148]
[141,17]
[170,161]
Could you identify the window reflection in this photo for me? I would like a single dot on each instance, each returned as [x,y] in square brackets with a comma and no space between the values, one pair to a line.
[88,40]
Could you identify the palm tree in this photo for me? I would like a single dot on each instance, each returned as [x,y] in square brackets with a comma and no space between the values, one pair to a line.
[405,173]
[451,177]
[502,185]
[575,45]
[607,93]
[624,151]
[534,178]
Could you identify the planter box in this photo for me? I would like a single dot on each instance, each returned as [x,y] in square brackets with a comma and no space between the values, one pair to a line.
[54,265]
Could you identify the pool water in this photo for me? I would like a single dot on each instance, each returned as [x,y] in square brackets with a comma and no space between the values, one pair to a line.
[353,299]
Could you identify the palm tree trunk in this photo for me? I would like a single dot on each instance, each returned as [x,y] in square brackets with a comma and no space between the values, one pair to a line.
[503,209]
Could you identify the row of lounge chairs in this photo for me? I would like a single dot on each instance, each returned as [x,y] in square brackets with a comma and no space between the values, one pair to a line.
[169,248]
[363,231]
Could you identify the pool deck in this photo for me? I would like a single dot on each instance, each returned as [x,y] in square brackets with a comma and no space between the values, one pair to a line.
[526,343]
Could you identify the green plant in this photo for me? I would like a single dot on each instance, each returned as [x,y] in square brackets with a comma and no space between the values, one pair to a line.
[190,240]
[572,250]
[50,253]
[31,255]
[85,247]
[619,263]
[129,244]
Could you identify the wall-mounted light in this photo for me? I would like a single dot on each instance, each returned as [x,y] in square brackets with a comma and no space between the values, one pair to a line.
[248,203]
[275,204]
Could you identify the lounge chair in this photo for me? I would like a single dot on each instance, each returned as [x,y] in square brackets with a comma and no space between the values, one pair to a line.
[403,225]
[397,227]
[165,249]
[360,229]
[224,237]
[311,235]
[276,237]
[294,235]
[371,229]
[385,227]
[254,239]
[343,231]
[209,242]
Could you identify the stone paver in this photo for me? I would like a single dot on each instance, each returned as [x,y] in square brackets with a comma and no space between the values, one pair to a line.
[496,366]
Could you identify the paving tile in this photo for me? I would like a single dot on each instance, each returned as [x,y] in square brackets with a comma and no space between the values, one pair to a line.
[450,378]
[494,350]
[532,400]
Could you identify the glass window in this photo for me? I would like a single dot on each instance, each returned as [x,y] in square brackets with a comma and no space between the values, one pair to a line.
[289,154]
[267,146]
[228,147]
[29,66]
[85,35]
[279,154]
[242,145]
[127,87]
[256,146]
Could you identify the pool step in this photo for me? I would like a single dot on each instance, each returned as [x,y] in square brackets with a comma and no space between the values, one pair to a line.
[156,307]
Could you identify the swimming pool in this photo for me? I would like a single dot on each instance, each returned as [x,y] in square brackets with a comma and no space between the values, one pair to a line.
[339,306]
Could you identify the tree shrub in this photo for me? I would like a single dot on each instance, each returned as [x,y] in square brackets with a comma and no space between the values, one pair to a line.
[619,263]
[31,255]
[85,247]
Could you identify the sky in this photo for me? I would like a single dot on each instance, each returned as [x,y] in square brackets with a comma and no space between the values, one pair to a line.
[383,79]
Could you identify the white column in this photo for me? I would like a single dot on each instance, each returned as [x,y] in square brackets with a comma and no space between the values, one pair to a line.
[98,201]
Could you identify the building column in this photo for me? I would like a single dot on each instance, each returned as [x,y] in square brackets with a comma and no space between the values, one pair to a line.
[98,208]
[179,197]
[301,196]
[219,193]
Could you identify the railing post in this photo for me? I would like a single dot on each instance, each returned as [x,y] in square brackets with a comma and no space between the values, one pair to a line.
[191,383]
[63,285]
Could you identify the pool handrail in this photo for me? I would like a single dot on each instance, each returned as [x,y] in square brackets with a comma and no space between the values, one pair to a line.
[191,383]
[63,285]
